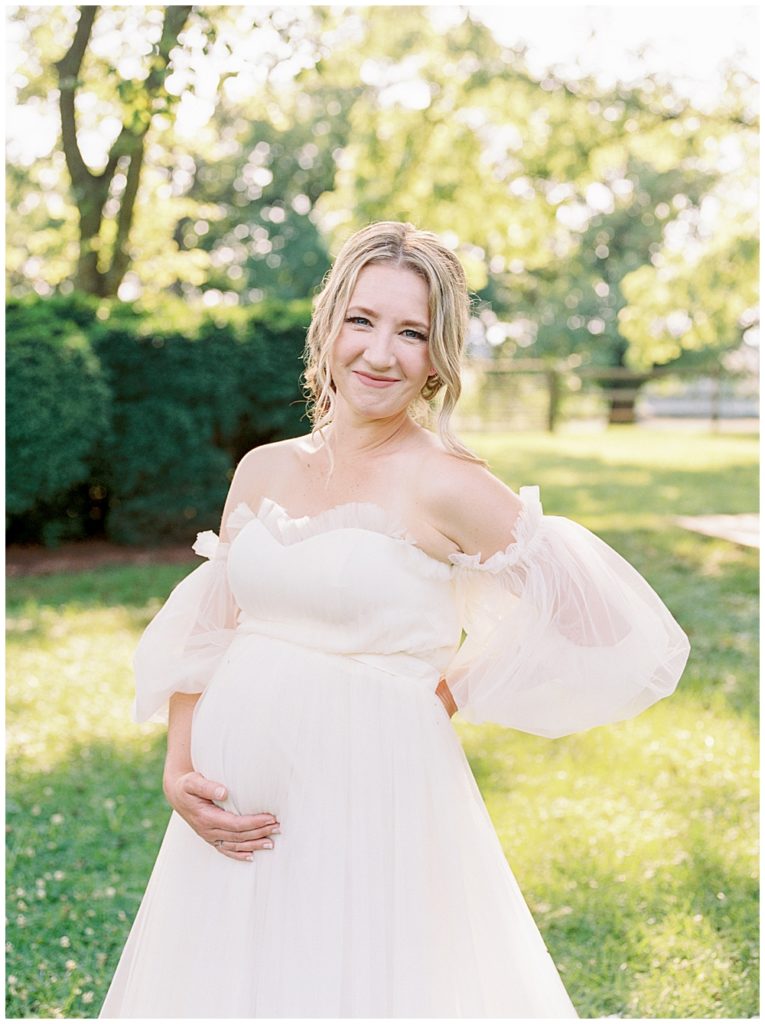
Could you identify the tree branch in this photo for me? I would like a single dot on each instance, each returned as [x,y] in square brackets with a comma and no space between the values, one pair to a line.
[172,26]
[130,142]
[68,69]
[120,260]
[91,190]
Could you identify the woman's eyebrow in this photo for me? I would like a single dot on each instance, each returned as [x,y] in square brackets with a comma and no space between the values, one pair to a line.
[373,313]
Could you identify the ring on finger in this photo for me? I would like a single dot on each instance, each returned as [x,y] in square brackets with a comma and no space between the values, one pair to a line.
[217,843]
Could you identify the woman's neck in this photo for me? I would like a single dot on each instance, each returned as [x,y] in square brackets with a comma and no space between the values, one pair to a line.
[350,437]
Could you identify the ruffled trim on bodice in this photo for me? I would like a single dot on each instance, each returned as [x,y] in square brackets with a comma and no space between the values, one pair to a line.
[351,515]
[363,515]
[209,545]
[287,530]
[527,536]
[366,515]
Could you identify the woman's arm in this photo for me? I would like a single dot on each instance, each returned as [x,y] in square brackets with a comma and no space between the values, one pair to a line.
[563,634]
[445,695]
[178,757]
[187,791]
[471,506]
[191,795]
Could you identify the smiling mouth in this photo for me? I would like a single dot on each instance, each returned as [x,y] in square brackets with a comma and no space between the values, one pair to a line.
[370,378]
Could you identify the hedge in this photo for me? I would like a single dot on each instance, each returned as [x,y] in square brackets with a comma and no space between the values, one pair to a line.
[57,415]
[129,423]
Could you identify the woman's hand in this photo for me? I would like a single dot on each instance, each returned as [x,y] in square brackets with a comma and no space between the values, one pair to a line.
[234,835]
[447,699]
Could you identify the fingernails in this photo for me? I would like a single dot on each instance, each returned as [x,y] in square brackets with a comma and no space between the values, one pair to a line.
[268,845]
[277,829]
[220,792]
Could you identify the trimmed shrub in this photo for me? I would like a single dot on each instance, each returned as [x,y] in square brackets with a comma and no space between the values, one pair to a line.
[57,416]
[136,419]
[188,404]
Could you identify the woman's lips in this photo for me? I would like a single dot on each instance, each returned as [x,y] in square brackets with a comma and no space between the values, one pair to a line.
[374,382]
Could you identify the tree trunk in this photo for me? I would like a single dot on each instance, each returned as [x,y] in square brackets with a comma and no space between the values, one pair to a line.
[621,408]
[99,273]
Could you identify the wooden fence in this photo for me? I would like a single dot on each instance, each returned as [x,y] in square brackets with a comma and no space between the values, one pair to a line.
[532,394]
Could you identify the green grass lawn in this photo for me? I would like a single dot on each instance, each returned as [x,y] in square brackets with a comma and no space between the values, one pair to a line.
[635,844]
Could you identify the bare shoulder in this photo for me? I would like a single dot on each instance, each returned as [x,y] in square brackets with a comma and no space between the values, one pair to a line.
[469,504]
[259,461]
[257,470]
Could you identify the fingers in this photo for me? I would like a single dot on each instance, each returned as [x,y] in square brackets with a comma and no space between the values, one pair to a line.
[235,856]
[237,836]
[244,850]
[245,836]
[196,784]
[227,821]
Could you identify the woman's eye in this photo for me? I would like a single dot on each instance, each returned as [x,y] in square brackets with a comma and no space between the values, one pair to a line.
[409,332]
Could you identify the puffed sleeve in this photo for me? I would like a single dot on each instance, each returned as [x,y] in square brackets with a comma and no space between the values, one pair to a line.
[184,643]
[563,634]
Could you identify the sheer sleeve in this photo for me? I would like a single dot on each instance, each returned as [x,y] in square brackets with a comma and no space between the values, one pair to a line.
[186,640]
[563,634]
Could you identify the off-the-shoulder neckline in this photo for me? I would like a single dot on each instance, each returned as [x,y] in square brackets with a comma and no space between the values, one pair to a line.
[351,515]
[367,516]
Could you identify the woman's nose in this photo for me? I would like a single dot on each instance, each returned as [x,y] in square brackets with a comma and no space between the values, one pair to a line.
[379,350]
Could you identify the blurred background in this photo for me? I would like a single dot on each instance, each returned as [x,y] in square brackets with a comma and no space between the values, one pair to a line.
[178,180]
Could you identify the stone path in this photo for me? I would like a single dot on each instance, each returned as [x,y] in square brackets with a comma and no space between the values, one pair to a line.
[739,529]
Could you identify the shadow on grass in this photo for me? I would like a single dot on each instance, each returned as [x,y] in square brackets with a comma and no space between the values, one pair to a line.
[574,484]
[128,586]
[644,894]
[618,944]
[81,841]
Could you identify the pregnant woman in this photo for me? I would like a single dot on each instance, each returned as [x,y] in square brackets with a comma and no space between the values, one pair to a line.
[310,667]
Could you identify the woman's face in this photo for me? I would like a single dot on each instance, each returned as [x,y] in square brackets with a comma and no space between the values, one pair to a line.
[380,360]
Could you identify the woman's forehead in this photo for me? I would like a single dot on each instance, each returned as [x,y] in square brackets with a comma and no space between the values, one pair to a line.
[380,283]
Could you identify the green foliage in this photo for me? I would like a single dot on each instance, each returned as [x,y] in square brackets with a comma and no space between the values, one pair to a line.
[188,404]
[640,862]
[258,202]
[701,305]
[553,190]
[578,311]
[310,122]
[57,417]
[151,407]
[635,845]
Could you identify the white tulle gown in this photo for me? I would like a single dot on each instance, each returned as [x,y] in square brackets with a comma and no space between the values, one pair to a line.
[317,644]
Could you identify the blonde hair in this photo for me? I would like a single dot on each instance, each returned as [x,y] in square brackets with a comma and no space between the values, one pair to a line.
[403,245]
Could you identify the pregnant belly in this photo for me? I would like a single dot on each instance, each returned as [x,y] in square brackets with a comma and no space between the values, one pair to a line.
[246,723]
[293,731]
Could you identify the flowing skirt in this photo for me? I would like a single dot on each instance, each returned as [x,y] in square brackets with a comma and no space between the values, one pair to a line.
[387,893]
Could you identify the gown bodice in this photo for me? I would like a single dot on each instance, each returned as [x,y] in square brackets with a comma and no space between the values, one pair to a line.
[554,634]
[340,587]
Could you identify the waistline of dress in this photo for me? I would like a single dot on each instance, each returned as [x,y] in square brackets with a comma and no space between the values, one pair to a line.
[394,663]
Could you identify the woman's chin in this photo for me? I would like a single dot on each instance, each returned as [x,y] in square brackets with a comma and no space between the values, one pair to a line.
[377,410]
[377,403]
[374,405]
